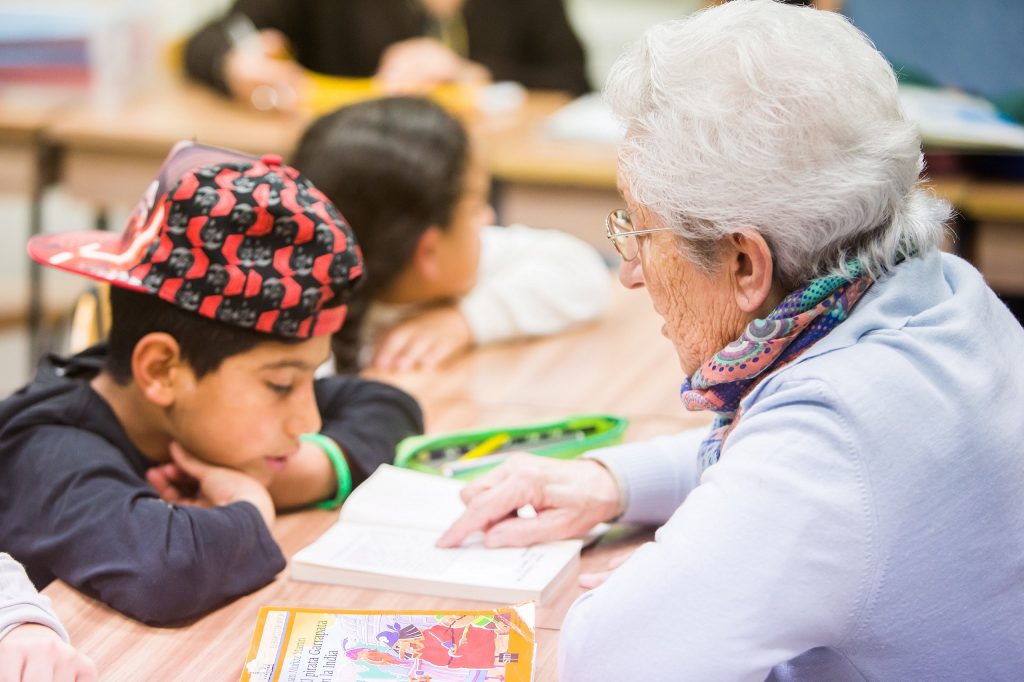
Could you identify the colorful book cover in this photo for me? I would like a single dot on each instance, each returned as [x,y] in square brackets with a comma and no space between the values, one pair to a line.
[310,645]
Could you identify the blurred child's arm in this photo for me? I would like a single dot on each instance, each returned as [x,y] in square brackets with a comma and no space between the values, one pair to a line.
[423,341]
[209,49]
[533,283]
[33,645]
[416,65]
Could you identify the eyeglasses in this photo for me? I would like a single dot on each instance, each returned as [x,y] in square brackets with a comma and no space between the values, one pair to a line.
[620,231]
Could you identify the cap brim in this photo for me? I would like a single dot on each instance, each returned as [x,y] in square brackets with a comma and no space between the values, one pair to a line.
[97,255]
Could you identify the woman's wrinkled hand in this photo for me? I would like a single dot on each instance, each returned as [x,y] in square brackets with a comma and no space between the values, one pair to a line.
[570,498]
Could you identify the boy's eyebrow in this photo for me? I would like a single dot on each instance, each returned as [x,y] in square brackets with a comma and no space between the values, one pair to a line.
[296,363]
[281,364]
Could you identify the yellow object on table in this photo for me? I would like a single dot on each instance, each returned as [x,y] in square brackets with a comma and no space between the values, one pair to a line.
[487,447]
[330,92]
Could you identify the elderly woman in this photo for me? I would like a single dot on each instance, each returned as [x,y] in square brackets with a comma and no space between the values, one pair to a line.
[857,509]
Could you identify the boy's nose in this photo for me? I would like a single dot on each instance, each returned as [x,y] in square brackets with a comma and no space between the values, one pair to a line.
[305,417]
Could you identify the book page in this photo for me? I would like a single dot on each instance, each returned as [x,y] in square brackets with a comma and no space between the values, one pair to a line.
[393,496]
[411,553]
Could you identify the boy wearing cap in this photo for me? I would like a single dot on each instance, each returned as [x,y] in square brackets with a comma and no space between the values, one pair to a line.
[227,285]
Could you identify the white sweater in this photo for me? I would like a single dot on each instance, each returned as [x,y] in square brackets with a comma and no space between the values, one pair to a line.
[19,601]
[531,282]
[866,520]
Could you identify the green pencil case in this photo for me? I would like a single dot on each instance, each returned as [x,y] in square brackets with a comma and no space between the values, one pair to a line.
[564,439]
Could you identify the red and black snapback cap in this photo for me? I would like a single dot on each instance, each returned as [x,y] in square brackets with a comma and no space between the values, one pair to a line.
[245,241]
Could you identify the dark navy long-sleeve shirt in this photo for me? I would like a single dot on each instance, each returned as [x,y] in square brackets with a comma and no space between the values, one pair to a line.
[75,505]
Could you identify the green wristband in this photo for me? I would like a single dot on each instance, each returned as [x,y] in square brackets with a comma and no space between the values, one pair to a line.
[340,468]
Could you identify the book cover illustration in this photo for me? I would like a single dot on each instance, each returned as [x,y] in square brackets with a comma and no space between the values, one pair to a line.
[310,645]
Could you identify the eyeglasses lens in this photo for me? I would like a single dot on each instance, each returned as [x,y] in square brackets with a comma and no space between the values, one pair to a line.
[621,228]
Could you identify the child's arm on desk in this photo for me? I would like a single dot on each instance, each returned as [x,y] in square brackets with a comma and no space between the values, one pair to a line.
[81,512]
[308,477]
[365,420]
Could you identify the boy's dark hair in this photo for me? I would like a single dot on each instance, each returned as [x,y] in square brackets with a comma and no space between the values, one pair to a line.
[204,343]
[394,167]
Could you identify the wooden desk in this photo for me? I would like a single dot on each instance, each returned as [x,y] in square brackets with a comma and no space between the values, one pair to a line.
[138,136]
[621,364]
[108,158]
[214,647]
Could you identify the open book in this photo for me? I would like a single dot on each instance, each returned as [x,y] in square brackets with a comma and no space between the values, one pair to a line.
[384,539]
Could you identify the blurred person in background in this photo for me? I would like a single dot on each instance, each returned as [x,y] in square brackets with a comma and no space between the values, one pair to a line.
[259,51]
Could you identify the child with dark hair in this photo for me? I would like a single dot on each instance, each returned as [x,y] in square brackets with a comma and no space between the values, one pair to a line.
[440,278]
[147,472]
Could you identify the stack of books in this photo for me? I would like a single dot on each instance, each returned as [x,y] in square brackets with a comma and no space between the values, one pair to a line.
[44,47]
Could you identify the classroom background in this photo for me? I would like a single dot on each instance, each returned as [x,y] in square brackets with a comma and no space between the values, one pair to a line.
[974,46]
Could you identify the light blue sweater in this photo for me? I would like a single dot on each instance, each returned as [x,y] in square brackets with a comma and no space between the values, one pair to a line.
[866,520]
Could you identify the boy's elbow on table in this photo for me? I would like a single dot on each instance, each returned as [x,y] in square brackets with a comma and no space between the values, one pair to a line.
[165,590]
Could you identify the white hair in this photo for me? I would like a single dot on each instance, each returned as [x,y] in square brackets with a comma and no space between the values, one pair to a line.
[783,119]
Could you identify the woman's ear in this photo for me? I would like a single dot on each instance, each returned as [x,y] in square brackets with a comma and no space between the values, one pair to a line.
[752,270]
[157,367]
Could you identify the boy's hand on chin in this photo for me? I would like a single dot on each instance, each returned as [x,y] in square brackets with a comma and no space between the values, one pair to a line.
[174,485]
[424,341]
[187,480]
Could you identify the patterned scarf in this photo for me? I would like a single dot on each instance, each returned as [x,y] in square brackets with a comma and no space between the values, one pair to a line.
[803,318]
